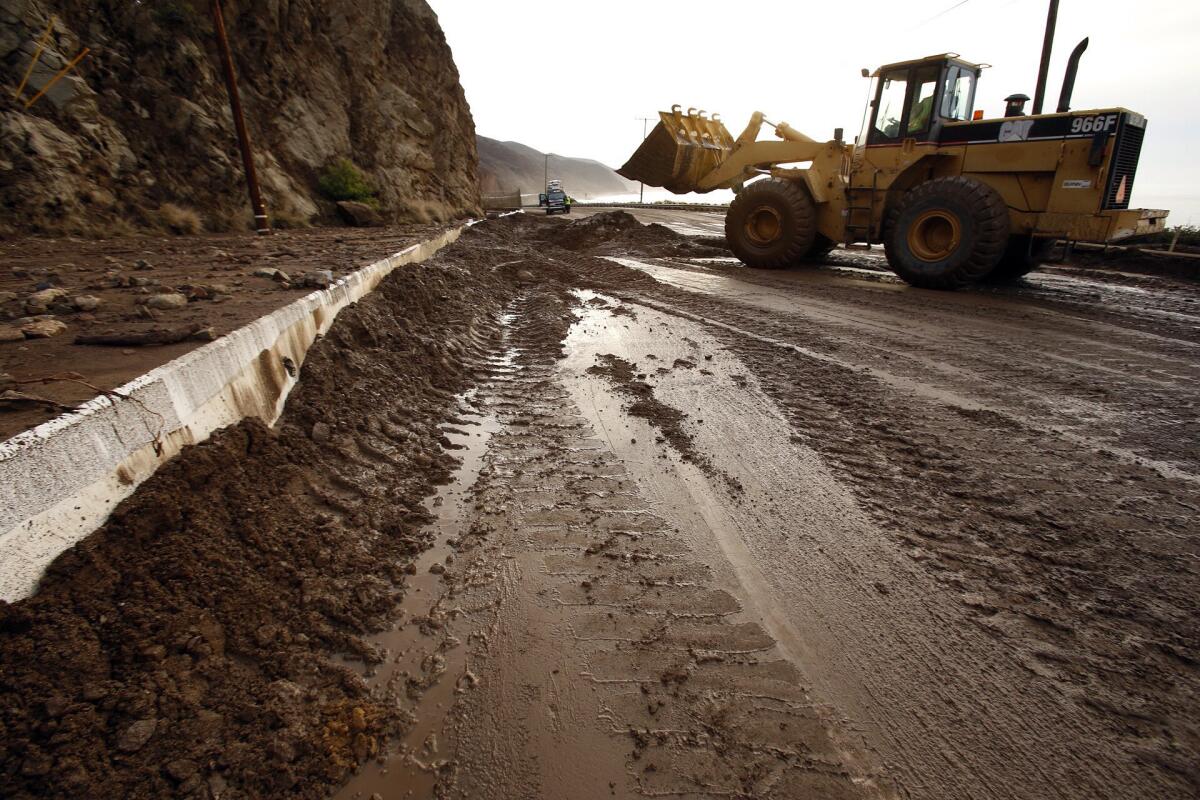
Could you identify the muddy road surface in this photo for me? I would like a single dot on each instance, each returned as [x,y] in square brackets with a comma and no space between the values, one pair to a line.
[644,522]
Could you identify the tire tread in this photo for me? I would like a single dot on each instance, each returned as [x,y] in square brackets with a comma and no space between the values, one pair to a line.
[803,212]
[991,218]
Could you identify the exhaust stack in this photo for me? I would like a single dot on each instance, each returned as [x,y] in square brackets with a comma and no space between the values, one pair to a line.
[1064,98]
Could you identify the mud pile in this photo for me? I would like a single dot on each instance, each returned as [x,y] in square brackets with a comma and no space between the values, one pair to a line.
[187,647]
[144,120]
[620,232]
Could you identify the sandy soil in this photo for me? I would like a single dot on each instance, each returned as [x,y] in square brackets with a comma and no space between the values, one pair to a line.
[701,531]
[215,273]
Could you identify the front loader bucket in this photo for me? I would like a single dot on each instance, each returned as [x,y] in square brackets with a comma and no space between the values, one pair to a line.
[681,150]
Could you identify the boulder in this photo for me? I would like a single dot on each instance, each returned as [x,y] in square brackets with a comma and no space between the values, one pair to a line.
[10,334]
[360,215]
[43,328]
[86,302]
[318,279]
[164,302]
[39,301]
[272,273]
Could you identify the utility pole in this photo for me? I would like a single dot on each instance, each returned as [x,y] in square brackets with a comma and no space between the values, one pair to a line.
[546,172]
[641,185]
[262,225]
[1039,93]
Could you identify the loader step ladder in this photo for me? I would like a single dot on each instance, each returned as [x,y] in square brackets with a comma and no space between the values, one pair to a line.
[859,217]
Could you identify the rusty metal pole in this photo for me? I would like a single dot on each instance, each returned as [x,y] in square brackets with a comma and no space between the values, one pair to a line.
[1039,94]
[262,225]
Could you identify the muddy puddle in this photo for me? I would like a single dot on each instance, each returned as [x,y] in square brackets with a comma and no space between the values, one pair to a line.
[424,662]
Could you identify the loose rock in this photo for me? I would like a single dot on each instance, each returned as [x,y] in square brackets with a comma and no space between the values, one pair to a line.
[180,769]
[134,737]
[318,279]
[43,328]
[360,215]
[167,301]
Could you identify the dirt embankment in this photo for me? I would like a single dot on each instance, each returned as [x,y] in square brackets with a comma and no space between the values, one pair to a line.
[139,293]
[144,119]
[186,646]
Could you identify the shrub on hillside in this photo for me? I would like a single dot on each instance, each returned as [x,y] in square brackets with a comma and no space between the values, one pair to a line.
[342,180]
[179,219]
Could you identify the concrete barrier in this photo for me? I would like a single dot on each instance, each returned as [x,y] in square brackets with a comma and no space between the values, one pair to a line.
[60,481]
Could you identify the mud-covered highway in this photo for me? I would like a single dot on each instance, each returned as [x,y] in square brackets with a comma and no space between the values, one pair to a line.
[817,534]
[679,528]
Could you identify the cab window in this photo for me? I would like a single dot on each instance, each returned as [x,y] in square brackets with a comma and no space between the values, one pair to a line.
[890,106]
[920,111]
[956,102]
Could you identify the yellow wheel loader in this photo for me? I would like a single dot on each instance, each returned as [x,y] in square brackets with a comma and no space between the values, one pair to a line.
[954,198]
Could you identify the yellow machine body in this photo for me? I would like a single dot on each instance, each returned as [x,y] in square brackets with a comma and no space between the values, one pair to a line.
[1065,176]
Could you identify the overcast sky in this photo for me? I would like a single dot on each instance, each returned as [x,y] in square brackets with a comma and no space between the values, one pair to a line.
[572,77]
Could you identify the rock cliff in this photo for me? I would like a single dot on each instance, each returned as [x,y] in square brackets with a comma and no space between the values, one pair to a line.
[144,121]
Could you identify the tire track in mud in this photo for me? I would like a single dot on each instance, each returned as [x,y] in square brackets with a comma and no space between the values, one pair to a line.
[997,511]
[947,707]
[608,663]
[1080,569]
[1108,380]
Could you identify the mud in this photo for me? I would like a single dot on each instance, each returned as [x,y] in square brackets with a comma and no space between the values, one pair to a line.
[123,272]
[669,421]
[185,647]
[960,561]
[620,232]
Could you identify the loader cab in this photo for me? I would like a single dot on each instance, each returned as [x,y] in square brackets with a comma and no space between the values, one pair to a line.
[912,99]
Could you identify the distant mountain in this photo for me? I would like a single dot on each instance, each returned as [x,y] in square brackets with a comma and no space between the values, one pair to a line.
[507,166]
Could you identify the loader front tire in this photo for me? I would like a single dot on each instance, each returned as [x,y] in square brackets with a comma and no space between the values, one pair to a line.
[1020,258]
[947,233]
[771,224]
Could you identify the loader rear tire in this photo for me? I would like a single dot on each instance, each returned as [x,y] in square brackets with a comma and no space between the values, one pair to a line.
[1020,258]
[771,224]
[947,233]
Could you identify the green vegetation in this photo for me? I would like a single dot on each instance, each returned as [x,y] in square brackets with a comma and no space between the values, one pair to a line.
[342,180]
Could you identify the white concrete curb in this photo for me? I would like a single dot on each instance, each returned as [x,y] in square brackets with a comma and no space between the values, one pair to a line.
[60,481]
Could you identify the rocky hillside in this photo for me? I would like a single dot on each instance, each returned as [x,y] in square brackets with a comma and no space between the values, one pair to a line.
[507,166]
[145,120]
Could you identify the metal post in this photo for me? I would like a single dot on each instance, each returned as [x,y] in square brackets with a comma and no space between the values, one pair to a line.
[1039,94]
[262,225]
[546,172]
